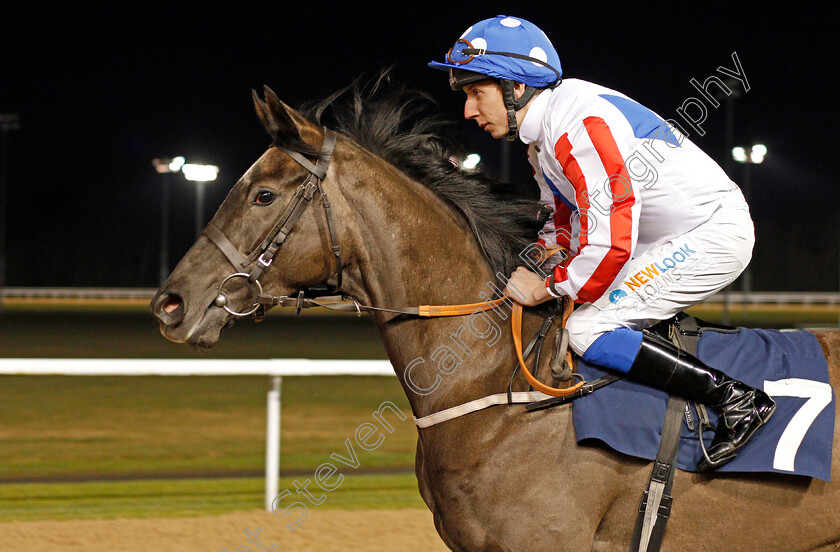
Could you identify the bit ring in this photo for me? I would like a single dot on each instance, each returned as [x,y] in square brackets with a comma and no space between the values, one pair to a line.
[221,299]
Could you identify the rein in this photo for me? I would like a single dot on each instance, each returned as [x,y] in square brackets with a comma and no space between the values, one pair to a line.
[516,326]
[338,303]
[263,255]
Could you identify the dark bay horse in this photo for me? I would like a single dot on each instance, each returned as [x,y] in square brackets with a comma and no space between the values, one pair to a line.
[414,229]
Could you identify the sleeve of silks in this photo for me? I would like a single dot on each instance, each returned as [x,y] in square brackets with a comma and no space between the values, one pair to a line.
[558,226]
[608,205]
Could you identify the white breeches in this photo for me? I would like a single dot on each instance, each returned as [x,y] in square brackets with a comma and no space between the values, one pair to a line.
[671,277]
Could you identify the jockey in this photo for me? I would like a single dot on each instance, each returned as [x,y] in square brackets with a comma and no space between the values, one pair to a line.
[652,224]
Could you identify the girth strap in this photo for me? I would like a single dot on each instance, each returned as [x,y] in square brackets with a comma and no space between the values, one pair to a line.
[655,508]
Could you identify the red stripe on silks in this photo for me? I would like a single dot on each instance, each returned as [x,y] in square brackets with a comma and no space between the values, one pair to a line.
[571,169]
[561,274]
[562,223]
[621,216]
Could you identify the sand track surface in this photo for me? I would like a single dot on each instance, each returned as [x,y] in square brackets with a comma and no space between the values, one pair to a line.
[322,531]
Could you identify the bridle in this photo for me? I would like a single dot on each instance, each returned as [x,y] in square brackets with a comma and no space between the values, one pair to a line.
[263,255]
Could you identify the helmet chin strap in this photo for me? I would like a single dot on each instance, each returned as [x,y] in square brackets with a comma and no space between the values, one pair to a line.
[513,104]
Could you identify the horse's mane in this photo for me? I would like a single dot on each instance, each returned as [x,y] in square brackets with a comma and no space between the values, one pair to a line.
[403,126]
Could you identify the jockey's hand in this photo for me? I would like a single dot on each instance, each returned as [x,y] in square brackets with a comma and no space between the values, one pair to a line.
[526,288]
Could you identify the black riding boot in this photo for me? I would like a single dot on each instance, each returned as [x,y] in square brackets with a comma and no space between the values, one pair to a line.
[741,409]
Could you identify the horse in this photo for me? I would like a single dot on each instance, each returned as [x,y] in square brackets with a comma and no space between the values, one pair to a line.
[403,225]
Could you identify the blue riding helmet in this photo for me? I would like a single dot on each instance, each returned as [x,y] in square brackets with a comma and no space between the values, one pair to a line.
[509,49]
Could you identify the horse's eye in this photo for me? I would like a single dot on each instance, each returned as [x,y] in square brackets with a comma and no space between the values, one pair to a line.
[264,198]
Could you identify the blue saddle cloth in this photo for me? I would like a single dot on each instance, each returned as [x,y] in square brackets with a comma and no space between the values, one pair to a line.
[788,365]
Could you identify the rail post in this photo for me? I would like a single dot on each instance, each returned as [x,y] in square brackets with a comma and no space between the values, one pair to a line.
[272,442]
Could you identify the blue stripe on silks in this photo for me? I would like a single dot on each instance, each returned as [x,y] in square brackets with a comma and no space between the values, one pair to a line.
[557,193]
[616,350]
[645,123]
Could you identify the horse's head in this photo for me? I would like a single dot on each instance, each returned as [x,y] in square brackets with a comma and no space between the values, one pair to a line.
[403,225]
[271,234]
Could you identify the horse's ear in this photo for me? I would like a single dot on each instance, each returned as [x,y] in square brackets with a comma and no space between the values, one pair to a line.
[281,122]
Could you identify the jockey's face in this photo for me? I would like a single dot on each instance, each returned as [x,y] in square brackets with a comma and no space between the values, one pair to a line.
[486,106]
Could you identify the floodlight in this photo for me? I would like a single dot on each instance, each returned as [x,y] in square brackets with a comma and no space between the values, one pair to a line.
[757,153]
[176,164]
[199,173]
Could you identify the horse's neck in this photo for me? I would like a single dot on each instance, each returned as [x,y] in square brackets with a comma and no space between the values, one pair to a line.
[411,249]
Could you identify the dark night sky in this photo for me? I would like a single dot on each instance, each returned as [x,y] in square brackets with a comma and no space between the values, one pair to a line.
[100,93]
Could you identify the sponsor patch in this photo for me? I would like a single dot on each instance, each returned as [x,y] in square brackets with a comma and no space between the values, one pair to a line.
[617,295]
[654,279]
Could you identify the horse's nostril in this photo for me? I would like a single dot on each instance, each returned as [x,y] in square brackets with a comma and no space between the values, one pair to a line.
[171,304]
[168,308]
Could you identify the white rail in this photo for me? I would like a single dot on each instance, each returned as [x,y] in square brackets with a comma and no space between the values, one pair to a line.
[275,369]
[778,297]
[78,293]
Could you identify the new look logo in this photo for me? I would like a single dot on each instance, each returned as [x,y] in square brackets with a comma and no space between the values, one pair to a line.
[649,273]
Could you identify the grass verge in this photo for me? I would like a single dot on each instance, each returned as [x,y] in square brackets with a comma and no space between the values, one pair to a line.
[89,427]
[193,497]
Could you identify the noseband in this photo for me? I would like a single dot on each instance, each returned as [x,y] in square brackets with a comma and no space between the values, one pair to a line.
[263,255]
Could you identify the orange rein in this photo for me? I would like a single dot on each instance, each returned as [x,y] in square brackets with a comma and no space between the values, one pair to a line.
[516,328]
[430,311]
